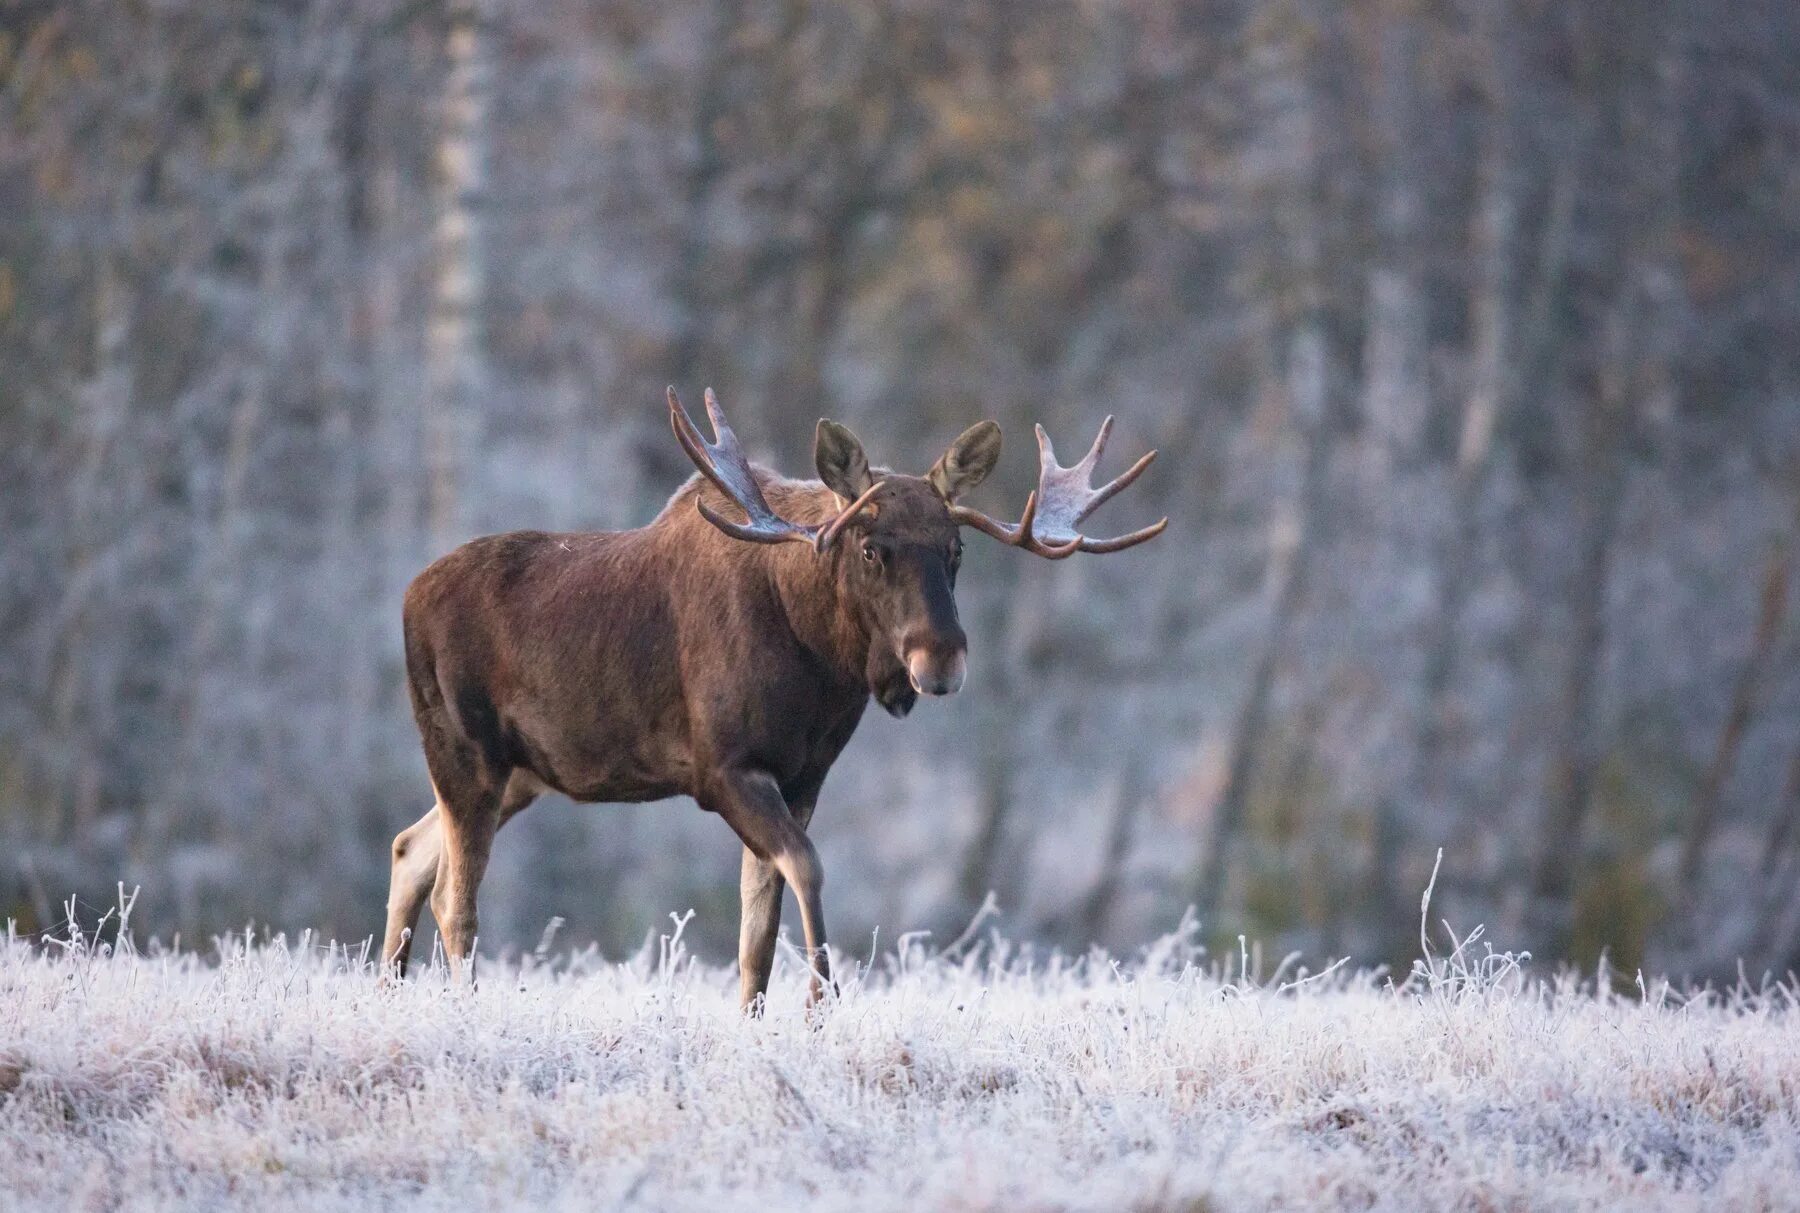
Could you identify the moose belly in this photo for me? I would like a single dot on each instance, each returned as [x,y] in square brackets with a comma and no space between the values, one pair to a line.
[617,780]
[605,764]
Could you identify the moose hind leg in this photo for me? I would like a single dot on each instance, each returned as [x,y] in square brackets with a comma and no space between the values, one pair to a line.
[415,864]
[417,850]
[468,831]
[469,789]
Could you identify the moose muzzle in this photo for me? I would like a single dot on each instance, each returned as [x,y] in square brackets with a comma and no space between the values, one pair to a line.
[936,671]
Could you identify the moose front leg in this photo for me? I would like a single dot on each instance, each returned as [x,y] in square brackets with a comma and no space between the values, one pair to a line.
[759,922]
[777,851]
[760,887]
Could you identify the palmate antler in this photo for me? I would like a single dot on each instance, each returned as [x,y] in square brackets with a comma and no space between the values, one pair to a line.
[1063,498]
[722,461]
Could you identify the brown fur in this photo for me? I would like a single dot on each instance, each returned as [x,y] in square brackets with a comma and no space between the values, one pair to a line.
[671,659]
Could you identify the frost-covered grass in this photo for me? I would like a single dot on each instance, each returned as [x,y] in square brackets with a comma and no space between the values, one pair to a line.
[271,1076]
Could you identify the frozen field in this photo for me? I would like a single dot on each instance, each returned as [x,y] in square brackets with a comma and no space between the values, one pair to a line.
[276,1077]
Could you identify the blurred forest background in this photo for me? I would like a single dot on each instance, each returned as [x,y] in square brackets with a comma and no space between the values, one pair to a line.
[1469,331]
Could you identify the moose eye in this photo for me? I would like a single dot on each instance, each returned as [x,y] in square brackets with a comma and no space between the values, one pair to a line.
[871,553]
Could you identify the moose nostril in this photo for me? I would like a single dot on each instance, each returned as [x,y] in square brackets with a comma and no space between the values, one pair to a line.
[933,675]
[918,670]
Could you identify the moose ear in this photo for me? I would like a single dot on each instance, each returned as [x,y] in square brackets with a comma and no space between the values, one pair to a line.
[839,457]
[967,462]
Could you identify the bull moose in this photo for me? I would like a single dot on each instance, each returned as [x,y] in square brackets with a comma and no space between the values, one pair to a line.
[729,661]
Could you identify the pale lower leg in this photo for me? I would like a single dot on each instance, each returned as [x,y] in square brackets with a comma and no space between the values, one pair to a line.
[415,864]
[752,803]
[799,866]
[759,889]
[418,850]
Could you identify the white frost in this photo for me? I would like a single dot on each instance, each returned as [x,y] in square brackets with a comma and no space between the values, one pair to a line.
[271,1076]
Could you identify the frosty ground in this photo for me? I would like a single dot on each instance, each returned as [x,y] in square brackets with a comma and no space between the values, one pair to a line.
[273,1075]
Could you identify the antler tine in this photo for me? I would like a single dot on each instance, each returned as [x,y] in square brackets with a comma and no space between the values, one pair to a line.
[1111,488]
[1063,498]
[1131,540]
[1098,448]
[1014,534]
[691,441]
[716,415]
[722,461]
[1019,534]
[829,532]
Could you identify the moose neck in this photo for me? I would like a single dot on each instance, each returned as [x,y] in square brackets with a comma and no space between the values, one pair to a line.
[820,614]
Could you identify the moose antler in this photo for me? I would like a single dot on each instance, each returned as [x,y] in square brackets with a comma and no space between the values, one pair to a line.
[1064,496]
[722,461]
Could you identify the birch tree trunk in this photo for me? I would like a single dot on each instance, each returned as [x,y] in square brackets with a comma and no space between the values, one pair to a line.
[1491,389]
[1638,85]
[1093,913]
[1306,367]
[1293,541]
[1745,694]
[455,370]
[998,746]
[1551,912]
[81,679]
[1775,937]
[1396,393]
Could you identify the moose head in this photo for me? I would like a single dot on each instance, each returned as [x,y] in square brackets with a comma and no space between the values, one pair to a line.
[896,539]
